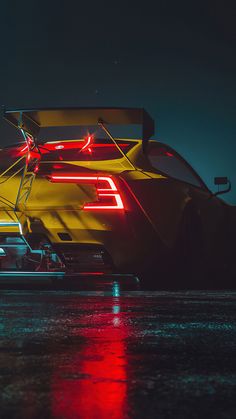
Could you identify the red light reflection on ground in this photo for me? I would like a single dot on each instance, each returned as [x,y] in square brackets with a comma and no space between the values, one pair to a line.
[93,384]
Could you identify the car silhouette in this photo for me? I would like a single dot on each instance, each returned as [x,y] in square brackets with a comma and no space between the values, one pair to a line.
[98,204]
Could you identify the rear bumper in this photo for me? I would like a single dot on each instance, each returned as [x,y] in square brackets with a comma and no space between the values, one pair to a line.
[127,238]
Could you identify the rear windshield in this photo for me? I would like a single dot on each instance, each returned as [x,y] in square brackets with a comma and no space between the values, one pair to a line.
[80,150]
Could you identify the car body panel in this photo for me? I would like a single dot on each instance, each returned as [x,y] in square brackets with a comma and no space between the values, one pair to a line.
[154,204]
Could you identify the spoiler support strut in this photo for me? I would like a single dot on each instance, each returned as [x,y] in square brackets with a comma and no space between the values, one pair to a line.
[105,129]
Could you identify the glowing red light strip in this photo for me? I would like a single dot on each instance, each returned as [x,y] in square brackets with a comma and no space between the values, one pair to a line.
[87,144]
[77,145]
[87,178]
[74,178]
[110,181]
[94,180]
[119,203]
[91,273]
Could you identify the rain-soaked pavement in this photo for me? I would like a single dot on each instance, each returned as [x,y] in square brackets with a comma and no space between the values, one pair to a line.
[75,354]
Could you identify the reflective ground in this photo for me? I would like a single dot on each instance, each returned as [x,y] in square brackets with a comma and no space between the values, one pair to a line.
[109,355]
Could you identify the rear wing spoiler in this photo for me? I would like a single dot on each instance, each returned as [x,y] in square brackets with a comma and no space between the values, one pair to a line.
[32,121]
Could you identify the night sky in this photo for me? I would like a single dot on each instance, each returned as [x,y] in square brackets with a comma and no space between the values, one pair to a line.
[174,58]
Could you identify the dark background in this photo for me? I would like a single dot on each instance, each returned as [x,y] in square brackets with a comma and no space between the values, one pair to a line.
[175,58]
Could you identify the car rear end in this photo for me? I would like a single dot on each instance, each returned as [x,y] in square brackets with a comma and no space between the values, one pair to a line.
[81,201]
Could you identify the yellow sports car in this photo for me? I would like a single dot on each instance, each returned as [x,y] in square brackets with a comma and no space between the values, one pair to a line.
[99,204]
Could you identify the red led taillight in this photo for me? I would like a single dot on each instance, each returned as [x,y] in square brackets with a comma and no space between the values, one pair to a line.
[107,193]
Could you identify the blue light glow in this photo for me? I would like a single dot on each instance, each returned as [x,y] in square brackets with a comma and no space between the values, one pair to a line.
[115,289]
[30,274]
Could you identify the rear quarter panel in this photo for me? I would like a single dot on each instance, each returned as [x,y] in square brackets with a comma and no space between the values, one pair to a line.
[163,200]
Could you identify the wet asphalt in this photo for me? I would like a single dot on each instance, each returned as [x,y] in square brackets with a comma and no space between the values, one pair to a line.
[130,354]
